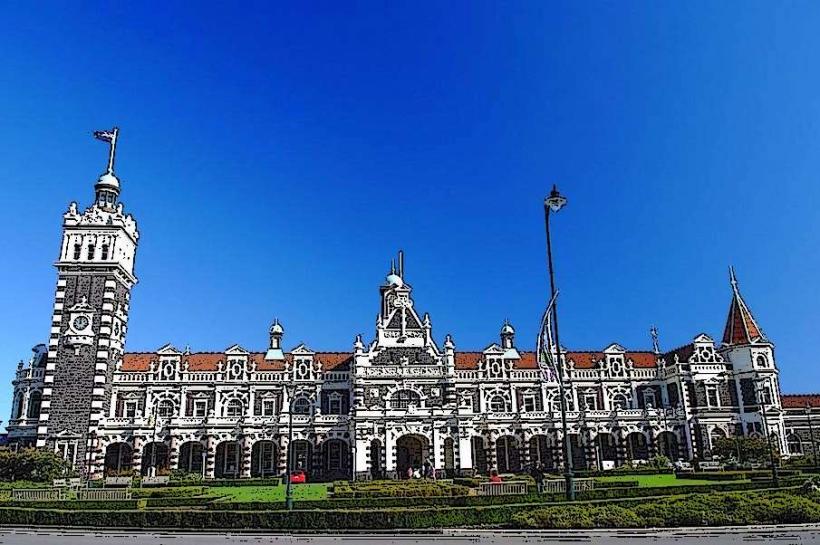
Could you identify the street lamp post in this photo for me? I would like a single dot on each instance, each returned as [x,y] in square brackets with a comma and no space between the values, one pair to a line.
[554,203]
[288,463]
[811,435]
[762,400]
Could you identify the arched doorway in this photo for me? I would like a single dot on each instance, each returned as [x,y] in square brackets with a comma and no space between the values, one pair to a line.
[540,451]
[376,451]
[605,450]
[190,457]
[300,453]
[118,459]
[507,454]
[156,459]
[263,459]
[228,460]
[577,452]
[637,446]
[479,455]
[335,459]
[668,445]
[449,458]
[411,452]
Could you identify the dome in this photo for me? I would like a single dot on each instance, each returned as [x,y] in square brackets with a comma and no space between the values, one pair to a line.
[108,180]
[277,328]
[394,280]
[507,329]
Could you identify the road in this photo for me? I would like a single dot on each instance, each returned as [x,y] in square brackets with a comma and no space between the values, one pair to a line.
[763,534]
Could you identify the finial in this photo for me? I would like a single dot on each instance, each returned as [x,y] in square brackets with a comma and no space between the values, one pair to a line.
[653,331]
[732,278]
[401,263]
[393,266]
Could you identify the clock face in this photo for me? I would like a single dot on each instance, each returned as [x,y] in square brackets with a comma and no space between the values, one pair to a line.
[80,323]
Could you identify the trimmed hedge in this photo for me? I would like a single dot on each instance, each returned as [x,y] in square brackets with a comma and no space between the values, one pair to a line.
[333,504]
[174,492]
[735,475]
[780,508]
[616,484]
[694,510]
[391,489]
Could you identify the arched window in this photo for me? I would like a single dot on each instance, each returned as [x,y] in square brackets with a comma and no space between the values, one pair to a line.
[404,399]
[234,408]
[498,404]
[34,399]
[762,361]
[165,409]
[794,445]
[301,405]
[620,402]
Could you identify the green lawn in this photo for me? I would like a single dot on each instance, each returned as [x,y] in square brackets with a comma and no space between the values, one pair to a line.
[317,491]
[658,480]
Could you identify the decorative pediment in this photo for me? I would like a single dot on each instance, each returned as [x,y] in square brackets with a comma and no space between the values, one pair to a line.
[703,338]
[494,349]
[302,350]
[614,348]
[168,350]
[81,306]
[236,350]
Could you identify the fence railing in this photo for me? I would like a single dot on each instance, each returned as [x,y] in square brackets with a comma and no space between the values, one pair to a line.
[104,494]
[556,485]
[507,488]
[38,494]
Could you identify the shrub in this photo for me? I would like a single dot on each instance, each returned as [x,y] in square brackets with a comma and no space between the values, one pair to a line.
[32,464]
[607,516]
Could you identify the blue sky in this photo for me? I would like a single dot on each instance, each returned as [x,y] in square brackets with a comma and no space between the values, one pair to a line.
[277,156]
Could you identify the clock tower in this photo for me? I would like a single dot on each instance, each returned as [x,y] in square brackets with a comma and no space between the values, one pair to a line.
[95,275]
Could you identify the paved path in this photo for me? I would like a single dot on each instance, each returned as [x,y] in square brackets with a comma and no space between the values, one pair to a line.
[765,534]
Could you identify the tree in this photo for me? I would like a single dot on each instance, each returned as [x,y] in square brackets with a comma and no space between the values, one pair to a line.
[31,464]
[744,449]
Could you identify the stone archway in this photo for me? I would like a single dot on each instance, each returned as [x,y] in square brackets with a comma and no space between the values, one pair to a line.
[540,451]
[156,459]
[228,460]
[668,445]
[606,450]
[264,457]
[411,452]
[118,459]
[638,446]
[508,454]
[190,457]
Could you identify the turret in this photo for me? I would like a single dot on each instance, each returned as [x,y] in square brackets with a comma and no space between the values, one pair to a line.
[275,345]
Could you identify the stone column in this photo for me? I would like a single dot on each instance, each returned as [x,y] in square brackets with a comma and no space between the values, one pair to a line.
[390,454]
[210,460]
[245,457]
[621,454]
[465,455]
[590,451]
[362,465]
[136,458]
[173,451]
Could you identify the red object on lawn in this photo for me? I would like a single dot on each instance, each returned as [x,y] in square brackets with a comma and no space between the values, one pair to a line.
[298,476]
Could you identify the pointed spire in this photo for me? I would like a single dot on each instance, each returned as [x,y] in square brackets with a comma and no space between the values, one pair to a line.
[741,327]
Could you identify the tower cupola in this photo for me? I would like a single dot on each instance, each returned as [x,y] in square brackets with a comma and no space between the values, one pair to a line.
[107,188]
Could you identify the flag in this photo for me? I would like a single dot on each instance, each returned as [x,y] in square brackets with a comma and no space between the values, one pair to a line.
[107,136]
[546,349]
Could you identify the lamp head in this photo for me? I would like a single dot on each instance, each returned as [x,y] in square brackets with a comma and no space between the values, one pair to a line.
[555,201]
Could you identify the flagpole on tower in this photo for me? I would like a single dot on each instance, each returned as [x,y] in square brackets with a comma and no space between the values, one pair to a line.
[111,138]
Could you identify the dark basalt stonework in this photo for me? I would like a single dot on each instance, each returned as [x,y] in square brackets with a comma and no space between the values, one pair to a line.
[72,389]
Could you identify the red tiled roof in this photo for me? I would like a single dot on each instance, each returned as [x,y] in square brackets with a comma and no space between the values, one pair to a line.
[741,327]
[209,361]
[799,401]
[468,360]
